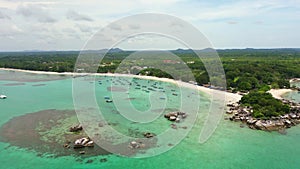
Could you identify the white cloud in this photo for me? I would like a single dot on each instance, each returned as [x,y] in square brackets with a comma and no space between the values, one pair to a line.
[86,28]
[3,16]
[67,24]
[204,11]
[72,15]
[9,30]
[38,12]
[232,22]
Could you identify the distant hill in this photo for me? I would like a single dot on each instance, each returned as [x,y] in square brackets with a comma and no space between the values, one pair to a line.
[222,52]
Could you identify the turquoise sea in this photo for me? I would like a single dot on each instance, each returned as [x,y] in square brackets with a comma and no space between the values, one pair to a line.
[230,147]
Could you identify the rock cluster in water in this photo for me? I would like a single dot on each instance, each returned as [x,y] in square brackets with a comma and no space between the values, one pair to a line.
[244,114]
[81,142]
[76,128]
[136,145]
[175,116]
[148,135]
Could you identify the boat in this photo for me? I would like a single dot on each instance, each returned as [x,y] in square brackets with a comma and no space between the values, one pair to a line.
[3,96]
[109,101]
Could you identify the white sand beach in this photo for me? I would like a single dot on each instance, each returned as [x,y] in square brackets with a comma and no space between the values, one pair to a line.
[295,80]
[228,97]
[277,93]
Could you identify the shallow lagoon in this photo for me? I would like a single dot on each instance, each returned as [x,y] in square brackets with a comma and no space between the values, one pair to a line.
[294,95]
[229,147]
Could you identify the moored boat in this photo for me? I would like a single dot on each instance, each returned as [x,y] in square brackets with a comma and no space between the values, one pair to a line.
[3,96]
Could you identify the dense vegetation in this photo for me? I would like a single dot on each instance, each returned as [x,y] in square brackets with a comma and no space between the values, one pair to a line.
[42,61]
[264,105]
[246,69]
[155,72]
[261,68]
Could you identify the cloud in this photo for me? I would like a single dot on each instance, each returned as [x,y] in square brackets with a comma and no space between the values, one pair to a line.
[38,12]
[14,4]
[233,10]
[72,15]
[85,28]
[158,2]
[132,26]
[232,22]
[4,16]
[8,30]
[258,22]
[115,26]
[176,24]
[71,20]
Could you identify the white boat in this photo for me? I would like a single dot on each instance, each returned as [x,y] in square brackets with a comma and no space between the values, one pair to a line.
[3,96]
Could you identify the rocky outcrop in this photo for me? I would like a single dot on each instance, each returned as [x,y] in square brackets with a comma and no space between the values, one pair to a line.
[83,142]
[136,145]
[175,116]
[280,123]
[76,128]
[148,135]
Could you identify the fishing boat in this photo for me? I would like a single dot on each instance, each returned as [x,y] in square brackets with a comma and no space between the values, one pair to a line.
[3,96]
[109,101]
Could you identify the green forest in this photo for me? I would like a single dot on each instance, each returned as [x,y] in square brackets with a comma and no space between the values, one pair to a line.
[245,69]
[264,105]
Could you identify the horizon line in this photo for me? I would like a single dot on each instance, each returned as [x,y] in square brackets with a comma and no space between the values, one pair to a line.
[75,50]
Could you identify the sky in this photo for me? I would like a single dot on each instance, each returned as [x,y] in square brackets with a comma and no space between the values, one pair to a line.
[68,25]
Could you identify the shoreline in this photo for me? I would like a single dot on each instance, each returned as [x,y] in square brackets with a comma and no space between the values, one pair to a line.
[295,80]
[229,97]
[278,93]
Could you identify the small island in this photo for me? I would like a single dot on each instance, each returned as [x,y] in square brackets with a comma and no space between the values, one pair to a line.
[261,111]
